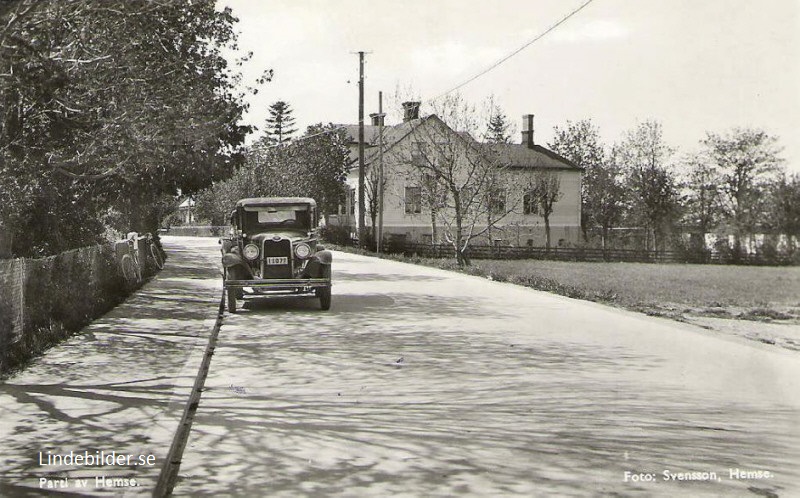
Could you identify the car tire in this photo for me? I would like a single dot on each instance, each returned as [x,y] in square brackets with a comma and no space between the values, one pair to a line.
[231,300]
[324,294]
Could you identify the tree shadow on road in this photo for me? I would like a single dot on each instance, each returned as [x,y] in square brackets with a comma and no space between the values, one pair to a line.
[119,385]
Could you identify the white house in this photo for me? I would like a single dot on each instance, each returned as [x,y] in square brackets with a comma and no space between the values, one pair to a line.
[511,219]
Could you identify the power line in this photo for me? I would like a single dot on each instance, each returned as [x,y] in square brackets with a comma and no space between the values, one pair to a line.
[304,137]
[520,49]
[476,76]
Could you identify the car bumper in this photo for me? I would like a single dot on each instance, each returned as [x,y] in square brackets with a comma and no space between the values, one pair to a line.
[279,284]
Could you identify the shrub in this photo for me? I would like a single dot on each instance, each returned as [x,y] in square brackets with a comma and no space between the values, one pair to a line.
[336,234]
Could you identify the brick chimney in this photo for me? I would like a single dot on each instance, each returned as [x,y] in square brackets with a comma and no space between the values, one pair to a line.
[527,130]
[377,119]
[410,110]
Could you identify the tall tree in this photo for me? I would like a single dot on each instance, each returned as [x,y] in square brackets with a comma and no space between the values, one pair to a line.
[580,143]
[785,209]
[747,161]
[322,157]
[702,205]
[314,166]
[605,199]
[280,123]
[111,105]
[498,129]
[458,172]
[654,197]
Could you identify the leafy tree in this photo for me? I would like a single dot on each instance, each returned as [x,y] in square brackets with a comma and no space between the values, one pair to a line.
[785,208]
[280,124]
[322,159]
[747,161]
[702,205]
[605,200]
[314,166]
[654,199]
[111,104]
[600,196]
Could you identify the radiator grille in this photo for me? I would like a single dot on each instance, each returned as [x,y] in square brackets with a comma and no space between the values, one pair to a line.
[279,248]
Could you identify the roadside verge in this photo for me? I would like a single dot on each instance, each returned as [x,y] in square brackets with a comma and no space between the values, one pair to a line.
[118,387]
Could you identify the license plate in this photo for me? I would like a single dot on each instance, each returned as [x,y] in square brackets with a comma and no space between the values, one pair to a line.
[283,260]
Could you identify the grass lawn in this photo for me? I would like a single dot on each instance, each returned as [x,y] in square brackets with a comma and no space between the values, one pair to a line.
[759,303]
[768,292]
[763,293]
[754,302]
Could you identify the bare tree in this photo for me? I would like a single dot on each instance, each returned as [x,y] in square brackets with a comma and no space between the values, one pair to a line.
[542,196]
[457,173]
[654,200]
[372,192]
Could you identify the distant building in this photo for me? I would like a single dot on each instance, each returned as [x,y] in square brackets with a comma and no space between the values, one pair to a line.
[186,212]
[407,215]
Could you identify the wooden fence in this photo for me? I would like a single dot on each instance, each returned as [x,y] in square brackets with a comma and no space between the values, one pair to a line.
[585,254]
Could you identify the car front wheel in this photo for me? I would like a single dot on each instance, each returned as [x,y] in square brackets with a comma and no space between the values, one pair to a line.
[231,300]
[324,294]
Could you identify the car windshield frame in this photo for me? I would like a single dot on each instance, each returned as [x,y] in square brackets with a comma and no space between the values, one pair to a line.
[279,217]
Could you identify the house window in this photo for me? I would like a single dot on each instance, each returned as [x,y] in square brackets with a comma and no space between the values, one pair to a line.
[421,154]
[413,200]
[497,201]
[352,201]
[529,204]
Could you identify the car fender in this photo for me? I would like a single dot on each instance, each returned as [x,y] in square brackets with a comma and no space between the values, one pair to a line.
[325,257]
[232,261]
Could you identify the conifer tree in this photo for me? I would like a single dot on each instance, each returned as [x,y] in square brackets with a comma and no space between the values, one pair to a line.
[497,131]
[280,123]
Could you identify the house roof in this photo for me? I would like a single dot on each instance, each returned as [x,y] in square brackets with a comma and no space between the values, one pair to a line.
[188,203]
[391,135]
[513,155]
[370,133]
[521,156]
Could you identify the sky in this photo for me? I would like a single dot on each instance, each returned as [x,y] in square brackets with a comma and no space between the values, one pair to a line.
[695,66]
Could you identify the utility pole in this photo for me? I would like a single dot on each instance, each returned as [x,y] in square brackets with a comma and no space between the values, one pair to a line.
[380,172]
[361,194]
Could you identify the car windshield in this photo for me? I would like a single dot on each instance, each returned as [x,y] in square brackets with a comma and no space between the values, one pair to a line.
[260,218]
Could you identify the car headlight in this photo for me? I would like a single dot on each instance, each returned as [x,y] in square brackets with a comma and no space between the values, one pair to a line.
[251,251]
[302,250]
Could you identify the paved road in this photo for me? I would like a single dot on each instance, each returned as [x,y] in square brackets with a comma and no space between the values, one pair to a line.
[118,386]
[421,382]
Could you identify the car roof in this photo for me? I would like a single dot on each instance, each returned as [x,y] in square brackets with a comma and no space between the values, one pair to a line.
[275,201]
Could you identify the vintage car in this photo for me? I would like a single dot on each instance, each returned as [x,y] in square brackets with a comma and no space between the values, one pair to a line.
[272,249]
